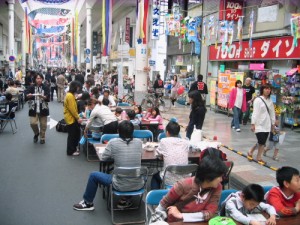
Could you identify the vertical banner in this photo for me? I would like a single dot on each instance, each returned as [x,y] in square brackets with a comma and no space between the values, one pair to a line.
[95,43]
[155,20]
[141,59]
[127,30]
[213,90]
[223,89]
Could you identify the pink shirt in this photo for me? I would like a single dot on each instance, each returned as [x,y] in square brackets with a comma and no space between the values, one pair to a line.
[159,119]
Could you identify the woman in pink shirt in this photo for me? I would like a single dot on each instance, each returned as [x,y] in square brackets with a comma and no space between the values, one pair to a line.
[237,102]
[155,116]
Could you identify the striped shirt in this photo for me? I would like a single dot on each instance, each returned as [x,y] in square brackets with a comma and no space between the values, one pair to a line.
[125,156]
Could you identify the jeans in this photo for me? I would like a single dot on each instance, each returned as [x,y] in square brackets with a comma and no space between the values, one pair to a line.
[237,112]
[246,114]
[95,179]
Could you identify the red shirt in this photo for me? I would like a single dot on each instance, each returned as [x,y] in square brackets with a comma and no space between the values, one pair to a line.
[284,206]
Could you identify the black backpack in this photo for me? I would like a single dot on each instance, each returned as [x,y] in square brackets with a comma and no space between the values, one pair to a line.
[61,126]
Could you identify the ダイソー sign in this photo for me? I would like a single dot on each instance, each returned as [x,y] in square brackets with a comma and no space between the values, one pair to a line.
[267,49]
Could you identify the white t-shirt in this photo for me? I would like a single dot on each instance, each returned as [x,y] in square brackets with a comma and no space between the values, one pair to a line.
[110,98]
[239,98]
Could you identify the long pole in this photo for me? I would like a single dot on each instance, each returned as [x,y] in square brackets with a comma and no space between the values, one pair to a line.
[120,71]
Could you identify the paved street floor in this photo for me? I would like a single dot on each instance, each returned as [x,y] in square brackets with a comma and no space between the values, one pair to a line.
[40,183]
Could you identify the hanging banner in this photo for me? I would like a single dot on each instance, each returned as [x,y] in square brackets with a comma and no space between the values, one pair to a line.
[95,43]
[127,30]
[155,20]
[266,49]
[231,9]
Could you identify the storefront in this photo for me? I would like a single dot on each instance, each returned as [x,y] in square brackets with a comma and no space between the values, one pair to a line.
[268,61]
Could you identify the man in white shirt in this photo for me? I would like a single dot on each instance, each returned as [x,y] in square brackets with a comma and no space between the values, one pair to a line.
[109,97]
[103,116]
[170,149]
[263,120]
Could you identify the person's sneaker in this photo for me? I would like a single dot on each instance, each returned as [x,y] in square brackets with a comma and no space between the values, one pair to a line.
[124,204]
[233,127]
[83,206]
[238,130]
[36,138]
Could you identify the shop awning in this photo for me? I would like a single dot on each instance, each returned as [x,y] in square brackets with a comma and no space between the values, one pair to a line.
[292,71]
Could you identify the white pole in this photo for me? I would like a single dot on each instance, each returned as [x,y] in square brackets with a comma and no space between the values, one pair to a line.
[11,35]
[120,71]
[89,34]
[23,48]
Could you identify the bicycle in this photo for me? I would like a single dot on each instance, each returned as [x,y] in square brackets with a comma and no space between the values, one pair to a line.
[129,98]
[157,99]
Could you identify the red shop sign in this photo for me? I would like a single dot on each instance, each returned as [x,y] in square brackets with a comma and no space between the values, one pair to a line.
[231,9]
[267,49]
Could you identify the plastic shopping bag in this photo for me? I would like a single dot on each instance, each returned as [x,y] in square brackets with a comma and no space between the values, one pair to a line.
[281,137]
[196,136]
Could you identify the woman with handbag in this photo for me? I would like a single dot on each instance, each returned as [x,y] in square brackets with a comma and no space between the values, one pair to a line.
[262,121]
[197,114]
[194,199]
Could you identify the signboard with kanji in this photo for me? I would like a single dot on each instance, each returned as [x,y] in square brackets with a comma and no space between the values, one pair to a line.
[155,20]
[231,9]
[266,49]
[127,30]
[213,90]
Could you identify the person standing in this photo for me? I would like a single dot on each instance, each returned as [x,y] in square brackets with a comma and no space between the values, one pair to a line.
[263,120]
[237,102]
[38,96]
[19,75]
[158,86]
[197,114]
[175,86]
[72,119]
[199,86]
[60,82]
[53,85]
[250,90]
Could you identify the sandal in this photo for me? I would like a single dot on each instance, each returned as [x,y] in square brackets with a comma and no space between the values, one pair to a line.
[261,162]
[275,158]
[265,151]
[249,156]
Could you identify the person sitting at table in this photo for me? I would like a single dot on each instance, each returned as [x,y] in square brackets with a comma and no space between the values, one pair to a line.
[102,116]
[138,112]
[133,119]
[82,103]
[126,151]
[12,90]
[118,113]
[194,199]
[107,96]
[8,107]
[170,148]
[155,116]
[249,200]
[286,197]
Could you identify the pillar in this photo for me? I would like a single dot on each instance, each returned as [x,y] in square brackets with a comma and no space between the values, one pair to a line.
[88,35]
[78,50]
[11,34]
[23,47]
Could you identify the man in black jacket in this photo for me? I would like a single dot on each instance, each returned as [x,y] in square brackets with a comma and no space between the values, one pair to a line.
[199,86]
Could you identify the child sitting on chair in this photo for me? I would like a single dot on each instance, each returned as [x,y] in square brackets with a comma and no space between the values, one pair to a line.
[286,197]
[247,201]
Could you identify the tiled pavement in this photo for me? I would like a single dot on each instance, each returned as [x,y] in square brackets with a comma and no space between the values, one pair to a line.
[244,171]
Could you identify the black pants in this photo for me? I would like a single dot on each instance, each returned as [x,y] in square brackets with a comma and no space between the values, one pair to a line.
[52,92]
[73,137]
[111,128]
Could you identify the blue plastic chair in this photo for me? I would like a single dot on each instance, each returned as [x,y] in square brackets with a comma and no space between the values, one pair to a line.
[267,188]
[108,137]
[123,104]
[143,134]
[153,198]
[7,119]
[128,173]
[225,194]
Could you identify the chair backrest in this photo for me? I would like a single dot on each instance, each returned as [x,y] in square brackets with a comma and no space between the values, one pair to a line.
[143,134]
[107,137]
[179,170]
[224,195]
[130,172]
[153,197]
[225,180]
[123,104]
[13,110]
[267,188]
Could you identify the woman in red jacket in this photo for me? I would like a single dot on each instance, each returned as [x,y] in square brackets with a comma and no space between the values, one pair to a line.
[237,102]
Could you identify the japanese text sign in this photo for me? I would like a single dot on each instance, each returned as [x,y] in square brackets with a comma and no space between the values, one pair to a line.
[155,20]
[127,30]
[267,49]
[231,9]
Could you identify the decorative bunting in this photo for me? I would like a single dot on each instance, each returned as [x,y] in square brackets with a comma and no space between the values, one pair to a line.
[251,24]
[240,32]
